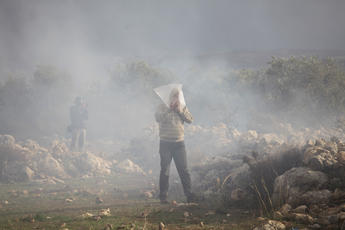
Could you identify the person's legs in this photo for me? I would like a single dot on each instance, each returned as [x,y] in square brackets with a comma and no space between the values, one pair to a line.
[82,137]
[165,155]
[180,159]
[75,134]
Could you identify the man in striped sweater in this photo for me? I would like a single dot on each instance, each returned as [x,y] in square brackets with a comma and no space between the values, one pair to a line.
[171,131]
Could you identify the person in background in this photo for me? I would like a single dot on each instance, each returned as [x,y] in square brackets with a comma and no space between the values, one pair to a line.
[171,131]
[79,116]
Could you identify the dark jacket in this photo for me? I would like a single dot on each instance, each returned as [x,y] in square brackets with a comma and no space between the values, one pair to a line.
[79,116]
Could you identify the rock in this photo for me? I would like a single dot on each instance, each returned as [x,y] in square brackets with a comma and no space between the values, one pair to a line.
[108,227]
[128,166]
[89,163]
[7,140]
[148,194]
[276,224]
[104,212]
[249,137]
[260,219]
[342,207]
[322,221]
[320,142]
[71,169]
[59,148]
[210,212]
[316,197]
[277,215]
[315,226]
[310,143]
[161,226]
[341,157]
[270,139]
[99,200]
[332,211]
[333,219]
[48,165]
[332,147]
[18,171]
[291,185]
[271,225]
[320,158]
[335,182]
[285,209]
[29,219]
[68,200]
[10,151]
[122,226]
[234,133]
[314,208]
[338,195]
[31,144]
[302,218]
[301,209]
[341,216]
[237,194]
[87,215]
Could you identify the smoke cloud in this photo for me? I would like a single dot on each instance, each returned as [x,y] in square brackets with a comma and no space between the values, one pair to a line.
[94,42]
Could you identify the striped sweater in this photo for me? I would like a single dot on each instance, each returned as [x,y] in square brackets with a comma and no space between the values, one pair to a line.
[171,127]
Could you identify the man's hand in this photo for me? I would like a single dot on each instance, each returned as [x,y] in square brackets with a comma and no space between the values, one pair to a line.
[178,109]
[175,106]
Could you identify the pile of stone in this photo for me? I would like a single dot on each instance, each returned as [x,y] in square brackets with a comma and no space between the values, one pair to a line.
[305,182]
[27,160]
[222,138]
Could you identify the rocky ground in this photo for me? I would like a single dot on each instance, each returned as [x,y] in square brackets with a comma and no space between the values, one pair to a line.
[282,180]
[294,178]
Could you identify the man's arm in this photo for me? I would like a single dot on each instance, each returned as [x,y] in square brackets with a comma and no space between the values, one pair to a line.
[185,115]
[85,114]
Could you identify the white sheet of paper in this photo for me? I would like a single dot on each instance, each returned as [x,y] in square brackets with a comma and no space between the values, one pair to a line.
[164,92]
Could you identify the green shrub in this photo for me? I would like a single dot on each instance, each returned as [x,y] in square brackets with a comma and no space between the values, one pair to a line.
[138,78]
[36,106]
[321,80]
[297,87]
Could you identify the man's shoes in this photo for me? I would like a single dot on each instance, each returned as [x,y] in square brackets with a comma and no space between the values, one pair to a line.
[164,201]
[192,198]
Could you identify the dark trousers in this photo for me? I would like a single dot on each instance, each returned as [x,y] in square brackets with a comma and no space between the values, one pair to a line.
[176,151]
[78,138]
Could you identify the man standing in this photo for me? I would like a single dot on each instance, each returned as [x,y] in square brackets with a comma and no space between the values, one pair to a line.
[78,115]
[171,131]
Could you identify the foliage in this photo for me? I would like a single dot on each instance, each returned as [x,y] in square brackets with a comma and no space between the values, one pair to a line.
[138,78]
[306,88]
[30,105]
[263,173]
[306,83]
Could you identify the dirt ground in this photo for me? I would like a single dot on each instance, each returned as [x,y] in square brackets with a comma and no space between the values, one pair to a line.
[116,202]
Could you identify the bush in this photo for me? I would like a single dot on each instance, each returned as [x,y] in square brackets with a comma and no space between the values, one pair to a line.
[36,106]
[296,87]
[138,78]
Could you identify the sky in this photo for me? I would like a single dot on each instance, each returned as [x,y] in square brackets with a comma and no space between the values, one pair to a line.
[40,31]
